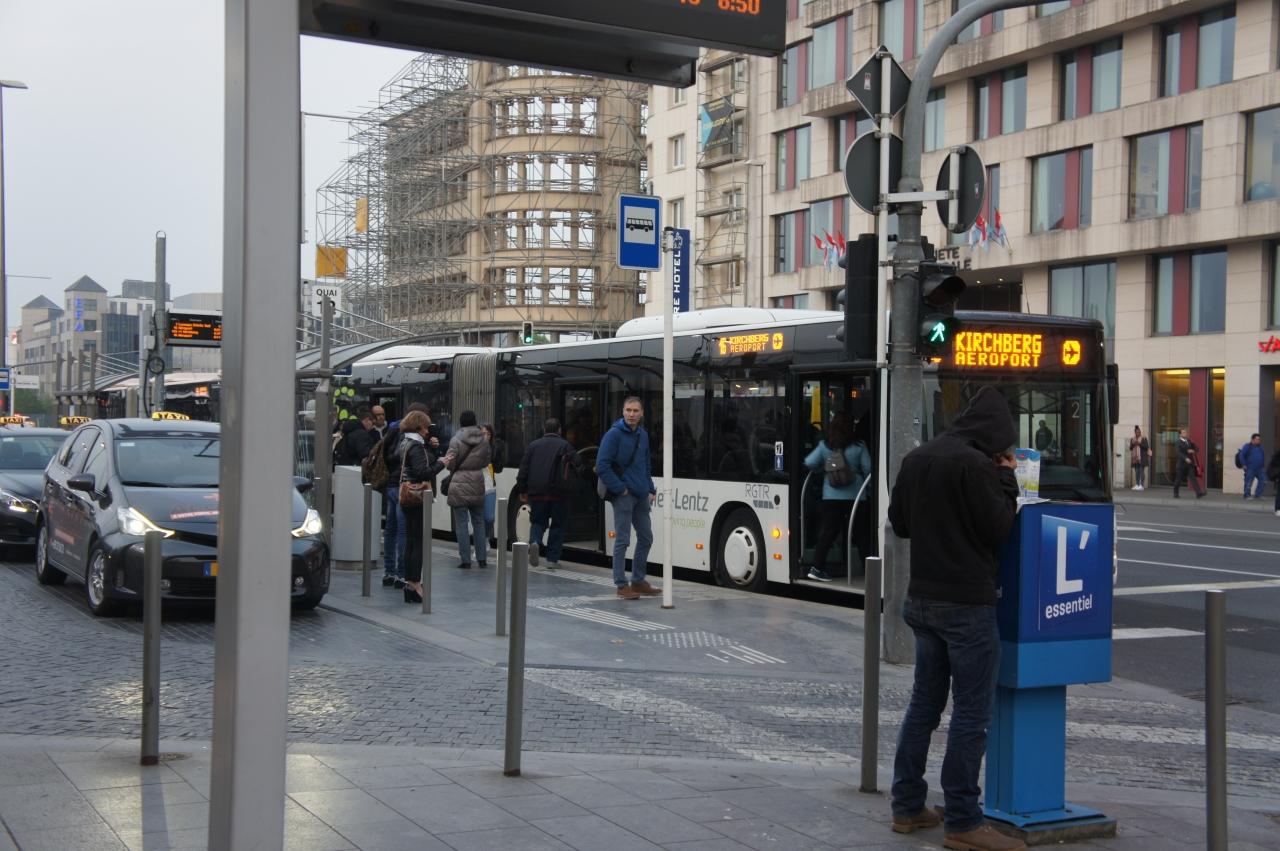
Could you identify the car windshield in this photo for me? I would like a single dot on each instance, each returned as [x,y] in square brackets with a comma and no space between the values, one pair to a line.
[169,462]
[28,451]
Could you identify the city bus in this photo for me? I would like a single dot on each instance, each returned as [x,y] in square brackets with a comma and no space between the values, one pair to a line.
[754,393]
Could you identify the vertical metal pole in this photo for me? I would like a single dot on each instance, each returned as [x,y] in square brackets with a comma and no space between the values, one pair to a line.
[152,559]
[515,659]
[57,386]
[501,616]
[144,329]
[251,660]
[93,383]
[367,549]
[428,498]
[871,677]
[322,462]
[668,421]
[1215,718]
[161,320]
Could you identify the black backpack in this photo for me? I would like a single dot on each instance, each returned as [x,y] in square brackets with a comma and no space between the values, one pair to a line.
[836,469]
[1240,458]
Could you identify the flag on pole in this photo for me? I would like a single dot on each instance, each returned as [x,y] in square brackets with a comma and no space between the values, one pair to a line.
[833,246]
[998,234]
[817,240]
[840,241]
[978,233]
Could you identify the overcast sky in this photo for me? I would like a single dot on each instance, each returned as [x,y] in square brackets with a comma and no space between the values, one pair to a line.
[120,135]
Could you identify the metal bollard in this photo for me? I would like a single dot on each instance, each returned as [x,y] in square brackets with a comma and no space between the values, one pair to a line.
[1215,718]
[152,562]
[515,658]
[871,677]
[367,551]
[428,497]
[501,615]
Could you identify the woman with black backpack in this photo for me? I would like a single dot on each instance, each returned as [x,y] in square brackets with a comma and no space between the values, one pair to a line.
[845,463]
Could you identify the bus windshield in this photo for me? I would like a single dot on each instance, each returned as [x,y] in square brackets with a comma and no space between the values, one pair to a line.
[1066,421]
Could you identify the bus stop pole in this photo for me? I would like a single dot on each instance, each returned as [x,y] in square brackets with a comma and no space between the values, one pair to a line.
[152,561]
[871,677]
[515,659]
[428,497]
[322,459]
[671,243]
[366,553]
[501,615]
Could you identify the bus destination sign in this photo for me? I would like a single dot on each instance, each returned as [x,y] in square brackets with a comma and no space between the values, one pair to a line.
[1014,349]
[757,342]
[195,329]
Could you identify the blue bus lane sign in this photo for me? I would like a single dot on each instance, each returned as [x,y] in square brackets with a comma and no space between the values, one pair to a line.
[639,232]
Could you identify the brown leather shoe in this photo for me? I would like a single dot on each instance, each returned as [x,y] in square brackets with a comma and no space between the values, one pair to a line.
[922,820]
[984,838]
[645,589]
[627,592]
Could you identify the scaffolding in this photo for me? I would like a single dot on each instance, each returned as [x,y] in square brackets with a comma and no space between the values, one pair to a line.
[723,175]
[480,196]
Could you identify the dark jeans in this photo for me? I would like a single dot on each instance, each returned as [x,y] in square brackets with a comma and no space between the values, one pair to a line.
[835,522]
[1183,472]
[544,513]
[412,543]
[957,649]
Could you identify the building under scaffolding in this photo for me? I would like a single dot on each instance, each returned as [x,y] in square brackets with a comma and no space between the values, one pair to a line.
[482,196]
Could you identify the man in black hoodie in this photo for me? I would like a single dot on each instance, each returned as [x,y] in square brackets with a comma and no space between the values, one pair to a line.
[955,498]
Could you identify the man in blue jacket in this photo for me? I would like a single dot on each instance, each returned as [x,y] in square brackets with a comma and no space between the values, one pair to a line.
[1254,459]
[622,464]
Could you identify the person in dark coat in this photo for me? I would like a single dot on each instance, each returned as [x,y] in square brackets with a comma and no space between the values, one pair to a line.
[1273,473]
[393,528]
[623,465]
[470,451]
[1188,465]
[418,464]
[536,483]
[951,608]
[358,438]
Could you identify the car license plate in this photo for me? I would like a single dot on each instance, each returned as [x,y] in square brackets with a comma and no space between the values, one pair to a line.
[210,568]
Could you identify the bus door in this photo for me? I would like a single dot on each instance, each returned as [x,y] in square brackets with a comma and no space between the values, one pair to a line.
[583,420]
[819,398]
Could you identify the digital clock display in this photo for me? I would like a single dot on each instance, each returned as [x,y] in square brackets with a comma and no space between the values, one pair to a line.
[741,7]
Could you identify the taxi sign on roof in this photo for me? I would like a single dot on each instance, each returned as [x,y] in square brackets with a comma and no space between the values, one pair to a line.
[168,415]
[13,419]
[72,422]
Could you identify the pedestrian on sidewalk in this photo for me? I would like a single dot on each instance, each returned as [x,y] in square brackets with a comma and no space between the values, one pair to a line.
[1188,465]
[542,483]
[1139,457]
[469,449]
[497,460]
[1252,458]
[418,464]
[951,608]
[1273,473]
[393,528]
[845,464]
[623,467]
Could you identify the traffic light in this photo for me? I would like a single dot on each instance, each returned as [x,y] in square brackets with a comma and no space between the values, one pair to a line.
[939,289]
[526,333]
[858,298]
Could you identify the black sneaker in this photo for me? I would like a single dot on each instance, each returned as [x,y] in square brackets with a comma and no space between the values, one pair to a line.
[399,582]
[482,564]
[388,581]
[533,555]
[466,565]
[819,575]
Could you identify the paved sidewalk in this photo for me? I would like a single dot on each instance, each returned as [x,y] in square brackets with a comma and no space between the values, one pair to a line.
[1214,499]
[60,794]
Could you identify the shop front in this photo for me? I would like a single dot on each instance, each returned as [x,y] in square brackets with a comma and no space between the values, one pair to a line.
[1193,399]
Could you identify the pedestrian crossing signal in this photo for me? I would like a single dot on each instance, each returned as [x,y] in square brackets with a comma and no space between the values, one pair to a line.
[526,333]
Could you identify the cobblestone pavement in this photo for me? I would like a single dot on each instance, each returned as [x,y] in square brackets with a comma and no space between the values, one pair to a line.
[67,673]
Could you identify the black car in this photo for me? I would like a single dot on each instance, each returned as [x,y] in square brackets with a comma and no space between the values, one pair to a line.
[115,480]
[24,453]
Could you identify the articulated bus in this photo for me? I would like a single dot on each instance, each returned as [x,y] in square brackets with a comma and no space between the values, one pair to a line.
[754,392]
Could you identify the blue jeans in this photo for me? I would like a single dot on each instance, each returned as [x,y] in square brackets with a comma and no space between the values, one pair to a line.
[628,511]
[544,513]
[1255,476]
[957,649]
[468,525]
[393,535]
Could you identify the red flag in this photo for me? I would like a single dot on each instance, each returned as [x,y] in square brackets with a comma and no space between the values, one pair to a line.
[831,240]
[840,240]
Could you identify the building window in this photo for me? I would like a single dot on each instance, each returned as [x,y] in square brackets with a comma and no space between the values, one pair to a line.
[985,25]
[1108,60]
[1061,190]
[1001,103]
[1198,51]
[829,53]
[1164,172]
[676,155]
[679,97]
[792,74]
[1087,291]
[826,219]
[1275,287]
[1190,293]
[792,162]
[1262,175]
[902,27]
[1044,10]
[789,236]
[935,119]
[675,213]
[1089,79]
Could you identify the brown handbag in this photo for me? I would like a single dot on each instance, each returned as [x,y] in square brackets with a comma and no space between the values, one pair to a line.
[411,493]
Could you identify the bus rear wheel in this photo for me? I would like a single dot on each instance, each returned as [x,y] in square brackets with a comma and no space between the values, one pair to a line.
[740,555]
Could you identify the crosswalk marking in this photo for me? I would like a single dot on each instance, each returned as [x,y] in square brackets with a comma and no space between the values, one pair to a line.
[1151,632]
[608,618]
[1144,590]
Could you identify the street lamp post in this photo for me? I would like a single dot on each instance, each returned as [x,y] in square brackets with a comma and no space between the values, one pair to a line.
[4,283]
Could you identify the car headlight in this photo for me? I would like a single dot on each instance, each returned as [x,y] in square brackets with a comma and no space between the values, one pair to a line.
[311,525]
[134,522]
[13,502]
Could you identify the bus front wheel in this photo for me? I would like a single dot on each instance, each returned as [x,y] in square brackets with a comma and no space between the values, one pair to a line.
[740,556]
